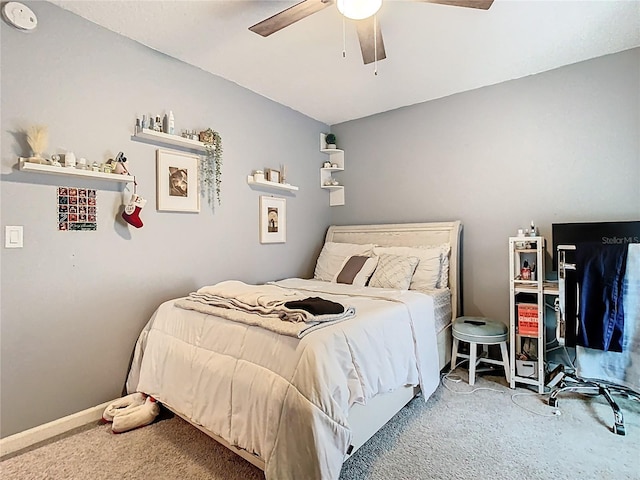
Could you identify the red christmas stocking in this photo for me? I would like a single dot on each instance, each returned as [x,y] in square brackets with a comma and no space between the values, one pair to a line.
[131,212]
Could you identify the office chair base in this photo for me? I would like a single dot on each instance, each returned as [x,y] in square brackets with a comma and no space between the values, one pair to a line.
[593,388]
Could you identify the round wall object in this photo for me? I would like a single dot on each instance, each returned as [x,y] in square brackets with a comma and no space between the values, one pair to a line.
[19,15]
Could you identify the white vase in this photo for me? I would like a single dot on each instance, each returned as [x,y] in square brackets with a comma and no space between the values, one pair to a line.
[70,159]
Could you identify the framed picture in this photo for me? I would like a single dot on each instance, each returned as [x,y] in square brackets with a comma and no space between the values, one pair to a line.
[272,175]
[177,176]
[273,220]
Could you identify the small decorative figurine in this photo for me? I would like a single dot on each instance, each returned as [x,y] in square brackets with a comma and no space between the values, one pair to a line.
[120,164]
[171,123]
[70,159]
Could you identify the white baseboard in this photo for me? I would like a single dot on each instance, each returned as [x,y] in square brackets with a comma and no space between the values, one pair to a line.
[49,430]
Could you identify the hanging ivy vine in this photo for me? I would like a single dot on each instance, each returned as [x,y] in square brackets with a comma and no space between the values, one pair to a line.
[211,166]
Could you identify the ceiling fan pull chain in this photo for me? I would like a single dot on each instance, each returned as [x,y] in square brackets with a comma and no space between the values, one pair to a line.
[375,44]
[344,39]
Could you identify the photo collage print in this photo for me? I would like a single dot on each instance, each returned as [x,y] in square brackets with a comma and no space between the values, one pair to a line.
[77,209]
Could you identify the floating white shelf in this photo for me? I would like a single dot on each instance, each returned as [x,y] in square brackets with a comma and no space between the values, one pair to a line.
[336,157]
[273,185]
[26,166]
[168,139]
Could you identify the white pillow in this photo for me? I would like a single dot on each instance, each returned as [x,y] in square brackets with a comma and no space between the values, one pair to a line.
[357,270]
[394,271]
[443,281]
[333,256]
[427,272]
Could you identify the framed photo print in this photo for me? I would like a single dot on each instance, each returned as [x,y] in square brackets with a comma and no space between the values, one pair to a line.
[273,220]
[177,176]
[273,175]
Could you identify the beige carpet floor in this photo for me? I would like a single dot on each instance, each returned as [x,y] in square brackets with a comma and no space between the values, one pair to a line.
[483,435]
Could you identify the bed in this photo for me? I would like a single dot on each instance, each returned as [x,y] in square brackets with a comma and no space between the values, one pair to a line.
[297,405]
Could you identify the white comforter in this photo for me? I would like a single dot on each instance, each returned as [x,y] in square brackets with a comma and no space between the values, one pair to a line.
[279,397]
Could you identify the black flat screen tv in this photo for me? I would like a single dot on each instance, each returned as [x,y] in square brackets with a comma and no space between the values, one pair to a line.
[607,233]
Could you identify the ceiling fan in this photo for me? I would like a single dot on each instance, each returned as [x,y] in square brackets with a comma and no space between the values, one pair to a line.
[362,11]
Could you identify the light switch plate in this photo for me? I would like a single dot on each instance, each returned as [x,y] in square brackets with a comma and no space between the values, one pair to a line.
[13,236]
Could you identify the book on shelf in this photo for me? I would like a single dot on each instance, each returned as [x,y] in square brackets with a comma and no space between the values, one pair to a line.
[528,319]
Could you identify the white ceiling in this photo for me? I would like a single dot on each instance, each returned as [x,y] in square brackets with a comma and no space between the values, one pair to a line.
[432,50]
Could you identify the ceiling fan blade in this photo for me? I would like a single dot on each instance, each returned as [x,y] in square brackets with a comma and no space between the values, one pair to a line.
[290,15]
[481,4]
[367,44]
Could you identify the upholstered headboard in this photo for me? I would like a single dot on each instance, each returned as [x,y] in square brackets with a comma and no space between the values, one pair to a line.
[410,235]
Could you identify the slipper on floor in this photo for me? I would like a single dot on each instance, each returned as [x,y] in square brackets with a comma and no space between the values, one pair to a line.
[135,417]
[122,405]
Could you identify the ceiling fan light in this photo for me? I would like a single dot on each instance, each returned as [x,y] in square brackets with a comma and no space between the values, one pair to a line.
[358,9]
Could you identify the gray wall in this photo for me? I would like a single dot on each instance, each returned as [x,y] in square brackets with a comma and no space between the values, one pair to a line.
[73,303]
[560,146]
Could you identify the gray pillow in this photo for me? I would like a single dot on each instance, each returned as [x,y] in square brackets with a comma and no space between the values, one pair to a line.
[357,270]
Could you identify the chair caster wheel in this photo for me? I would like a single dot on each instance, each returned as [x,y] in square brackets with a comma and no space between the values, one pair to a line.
[619,429]
[553,402]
